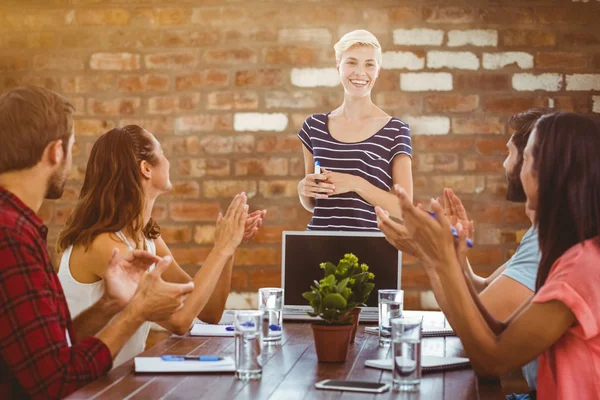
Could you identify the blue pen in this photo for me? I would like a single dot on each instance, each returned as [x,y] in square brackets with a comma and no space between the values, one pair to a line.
[191,358]
[454,231]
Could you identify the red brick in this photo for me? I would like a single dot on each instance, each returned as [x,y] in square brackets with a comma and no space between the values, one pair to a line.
[185,190]
[202,79]
[261,77]
[482,82]
[389,80]
[480,125]
[404,14]
[200,167]
[156,125]
[163,16]
[239,279]
[143,83]
[278,144]
[70,194]
[561,60]
[33,19]
[185,212]
[252,35]
[88,84]
[45,82]
[415,278]
[257,256]
[205,234]
[176,234]
[204,123]
[578,39]
[173,104]
[92,127]
[228,188]
[159,212]
[513,104]
[515,214]
[187,255]
[229,100]
[184,38]
[412,300]
[451,103]
[492,146]
[290,55]
[171,61]
[219,16]
[573,103]
[227,144]
[46,212]
[478,164]
[459,183]
[483,212]
[568,15]
[596,62]
[400,101]
[264,278]
[442,144]
[269,234]
[438,162]
[496,186]
[261,167]
[14,63]
[32,40]
[448,15]
[506,15]
[527,38]
[228,57]
[115,61]
[58,63]
[481,255]
[102,16]
[128,106]
[278,189]
[297,167]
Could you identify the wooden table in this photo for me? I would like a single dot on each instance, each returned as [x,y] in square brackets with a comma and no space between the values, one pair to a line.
[290,372]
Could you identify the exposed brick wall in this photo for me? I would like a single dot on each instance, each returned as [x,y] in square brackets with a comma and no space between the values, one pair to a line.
[226,85]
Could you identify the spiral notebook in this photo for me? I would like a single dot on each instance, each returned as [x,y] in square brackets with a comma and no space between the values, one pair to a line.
[428,363]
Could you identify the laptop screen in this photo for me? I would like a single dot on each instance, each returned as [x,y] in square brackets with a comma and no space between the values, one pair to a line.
[304,251]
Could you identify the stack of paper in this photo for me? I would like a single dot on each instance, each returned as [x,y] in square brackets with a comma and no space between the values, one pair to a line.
[202,329]
[428,363]
[157,364]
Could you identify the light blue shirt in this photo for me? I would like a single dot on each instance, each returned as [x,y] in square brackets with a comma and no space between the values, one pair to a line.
[523,267]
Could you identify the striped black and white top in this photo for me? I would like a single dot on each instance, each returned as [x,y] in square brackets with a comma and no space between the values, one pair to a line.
[370,159]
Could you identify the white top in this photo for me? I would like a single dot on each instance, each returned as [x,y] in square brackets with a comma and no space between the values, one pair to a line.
[81,296]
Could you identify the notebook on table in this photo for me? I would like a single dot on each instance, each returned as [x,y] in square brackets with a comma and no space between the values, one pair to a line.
[158,365]
[442,332]
[428,363]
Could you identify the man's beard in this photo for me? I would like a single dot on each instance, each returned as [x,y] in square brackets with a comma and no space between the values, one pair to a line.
[515,191]
[56,183]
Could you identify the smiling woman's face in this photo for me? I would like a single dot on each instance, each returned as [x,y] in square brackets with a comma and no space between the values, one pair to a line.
[358,70]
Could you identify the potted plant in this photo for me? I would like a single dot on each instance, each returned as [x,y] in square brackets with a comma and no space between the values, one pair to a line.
[335,299]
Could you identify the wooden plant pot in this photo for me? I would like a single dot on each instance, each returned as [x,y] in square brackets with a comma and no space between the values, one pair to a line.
[331,342]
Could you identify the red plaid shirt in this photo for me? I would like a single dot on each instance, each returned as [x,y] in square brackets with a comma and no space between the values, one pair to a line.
[36,359]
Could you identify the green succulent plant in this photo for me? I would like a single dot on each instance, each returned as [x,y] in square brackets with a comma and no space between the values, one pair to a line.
[344,287]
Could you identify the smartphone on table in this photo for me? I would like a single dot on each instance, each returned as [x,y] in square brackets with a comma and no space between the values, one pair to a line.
[353,386]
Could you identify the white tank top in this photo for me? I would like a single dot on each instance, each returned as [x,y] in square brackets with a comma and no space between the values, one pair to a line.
[81,296]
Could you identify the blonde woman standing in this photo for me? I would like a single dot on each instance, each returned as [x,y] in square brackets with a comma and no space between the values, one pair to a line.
[361,151]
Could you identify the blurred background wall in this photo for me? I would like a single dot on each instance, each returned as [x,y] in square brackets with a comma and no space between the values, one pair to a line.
[205,75]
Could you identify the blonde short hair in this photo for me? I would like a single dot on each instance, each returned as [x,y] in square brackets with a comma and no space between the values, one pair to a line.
[359,37]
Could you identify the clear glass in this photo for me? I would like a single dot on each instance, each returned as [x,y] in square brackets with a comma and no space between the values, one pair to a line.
[406,353]
[390,306]
[248,345]
[270,302]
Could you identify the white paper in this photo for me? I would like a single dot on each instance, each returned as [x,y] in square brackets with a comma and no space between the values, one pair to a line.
[211,330]
[157,364]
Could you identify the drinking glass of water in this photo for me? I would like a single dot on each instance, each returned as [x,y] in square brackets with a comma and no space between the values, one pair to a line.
[248,345]
[390,306]
[406,353]
[270,302]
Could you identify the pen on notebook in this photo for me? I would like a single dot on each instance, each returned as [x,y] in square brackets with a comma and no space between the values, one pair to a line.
[190,358]
[454,231]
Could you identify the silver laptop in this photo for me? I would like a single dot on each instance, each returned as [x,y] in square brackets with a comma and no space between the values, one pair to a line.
[303,251]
